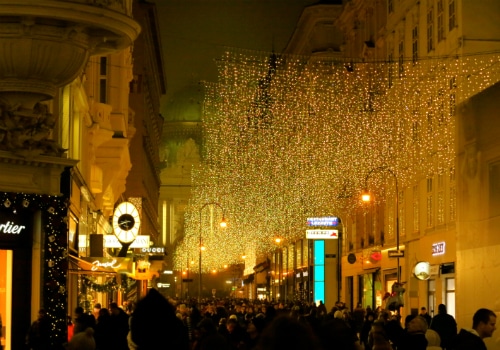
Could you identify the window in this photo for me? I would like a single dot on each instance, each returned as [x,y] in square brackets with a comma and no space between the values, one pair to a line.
[451,15]
[431,297]
[391,69]
[402,214]
[103,77]
[494,189]
[430,29]
[401,51]
[416,209]
[416,131]
[440,20]
[450,295]
[414,37]
[453,85]
[430,209]
[453,195]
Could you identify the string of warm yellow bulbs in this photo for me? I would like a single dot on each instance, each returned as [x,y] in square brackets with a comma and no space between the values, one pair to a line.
[286,139]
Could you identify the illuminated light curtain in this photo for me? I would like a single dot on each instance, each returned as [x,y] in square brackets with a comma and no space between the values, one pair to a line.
[286,138]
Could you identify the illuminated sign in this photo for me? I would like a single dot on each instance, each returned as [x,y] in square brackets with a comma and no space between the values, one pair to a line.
[113,264]
[111,241]
[163,285]
[11,228]
[438,248]
[324,221]
[154,250]
[322,234]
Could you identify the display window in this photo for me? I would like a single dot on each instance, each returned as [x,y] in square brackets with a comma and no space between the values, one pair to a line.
[5,297]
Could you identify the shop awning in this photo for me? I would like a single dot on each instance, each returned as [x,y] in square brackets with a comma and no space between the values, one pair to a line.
[102,266]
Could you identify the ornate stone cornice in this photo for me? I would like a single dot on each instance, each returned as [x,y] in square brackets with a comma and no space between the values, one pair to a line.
[40,175]
[182,130]
[45,44]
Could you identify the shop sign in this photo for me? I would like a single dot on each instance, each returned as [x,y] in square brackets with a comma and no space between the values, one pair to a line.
[322,234]
[396,253]
[422,270]
[14,228]
[323,221]
[111,241]
[111,264]
[10,228]
[351,258]
[154,250]
[438,248]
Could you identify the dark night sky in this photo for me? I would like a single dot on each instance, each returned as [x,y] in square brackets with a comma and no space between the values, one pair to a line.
[196,32]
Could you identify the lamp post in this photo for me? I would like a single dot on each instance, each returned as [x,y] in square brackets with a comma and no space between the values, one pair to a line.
[366,198]
[223,224]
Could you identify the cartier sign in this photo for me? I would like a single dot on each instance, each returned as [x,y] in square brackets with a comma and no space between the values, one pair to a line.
[10,228]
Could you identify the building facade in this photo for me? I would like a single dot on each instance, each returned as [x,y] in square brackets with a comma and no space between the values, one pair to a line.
[444,219]
[76,114]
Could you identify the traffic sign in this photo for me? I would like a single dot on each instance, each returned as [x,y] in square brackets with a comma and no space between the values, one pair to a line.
[396,253]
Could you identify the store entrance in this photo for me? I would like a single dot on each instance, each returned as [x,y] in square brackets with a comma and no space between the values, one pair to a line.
[5,298]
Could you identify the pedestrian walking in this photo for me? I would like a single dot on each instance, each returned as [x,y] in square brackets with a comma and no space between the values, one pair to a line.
[483,326]
[445,325]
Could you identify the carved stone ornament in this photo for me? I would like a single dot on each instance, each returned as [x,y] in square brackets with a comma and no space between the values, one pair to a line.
[27,132]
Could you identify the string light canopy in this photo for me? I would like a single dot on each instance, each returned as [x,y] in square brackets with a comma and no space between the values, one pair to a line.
[286,138]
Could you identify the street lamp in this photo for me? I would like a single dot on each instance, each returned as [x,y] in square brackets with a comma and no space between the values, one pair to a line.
[223,224]
[365,196]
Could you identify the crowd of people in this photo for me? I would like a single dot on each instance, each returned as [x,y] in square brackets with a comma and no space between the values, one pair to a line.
[156,322]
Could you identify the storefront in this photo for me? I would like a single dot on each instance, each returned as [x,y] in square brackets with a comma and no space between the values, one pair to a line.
[435,286]
[368,276]
[33,264]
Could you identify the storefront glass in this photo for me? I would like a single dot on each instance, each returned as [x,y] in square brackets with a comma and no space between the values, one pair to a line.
[5,297]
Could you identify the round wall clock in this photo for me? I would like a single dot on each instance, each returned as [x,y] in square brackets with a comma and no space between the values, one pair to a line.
[126,222]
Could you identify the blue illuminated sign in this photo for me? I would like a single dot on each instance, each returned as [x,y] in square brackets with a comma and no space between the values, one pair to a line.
[324,221]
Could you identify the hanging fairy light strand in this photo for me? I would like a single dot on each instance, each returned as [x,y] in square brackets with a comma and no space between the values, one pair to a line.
[286,138]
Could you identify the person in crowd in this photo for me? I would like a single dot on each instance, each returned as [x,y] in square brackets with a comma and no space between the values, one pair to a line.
[337,332]
[254,329]
[83,320]
[445,325]
[413,337]
[483,326]
[358,314]
[365,329]
[377,332]
[71,328]
[95,312]
[118,326]
[285,332]
[82,340]
[103,330]
[206,337]
[425,314]
[321,309]
[235,335]
[433,340]
[379,343]
[154,325]
[393,328]
[38,337]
